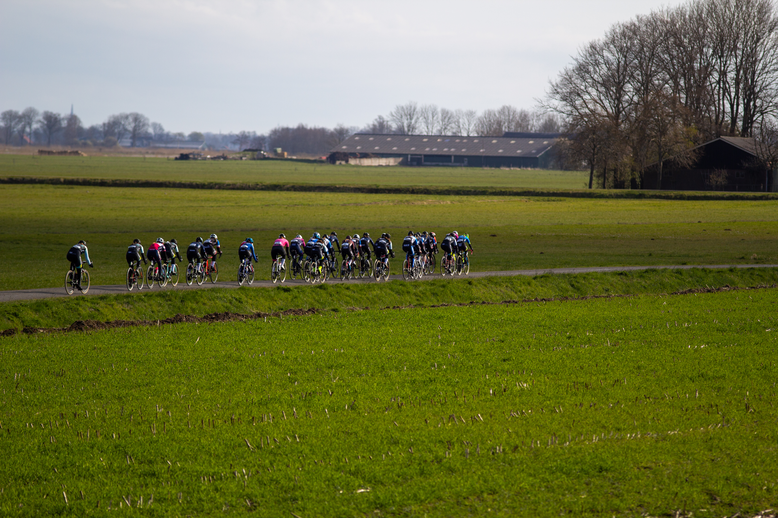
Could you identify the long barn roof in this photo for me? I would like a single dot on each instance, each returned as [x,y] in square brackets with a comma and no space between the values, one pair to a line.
[446,145]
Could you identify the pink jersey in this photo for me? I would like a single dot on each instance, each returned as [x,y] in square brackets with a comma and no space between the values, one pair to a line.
[281,241]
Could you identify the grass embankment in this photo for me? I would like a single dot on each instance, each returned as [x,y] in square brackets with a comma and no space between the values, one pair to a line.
[647,406]
[152,306]
[508,233]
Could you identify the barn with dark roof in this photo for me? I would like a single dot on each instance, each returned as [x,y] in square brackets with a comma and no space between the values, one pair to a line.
[513,150]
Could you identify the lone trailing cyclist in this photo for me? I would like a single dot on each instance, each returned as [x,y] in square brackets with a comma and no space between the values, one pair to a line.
[135,254]
[74,256]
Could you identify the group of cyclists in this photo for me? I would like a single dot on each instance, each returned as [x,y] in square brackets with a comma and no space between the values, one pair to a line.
[314,259]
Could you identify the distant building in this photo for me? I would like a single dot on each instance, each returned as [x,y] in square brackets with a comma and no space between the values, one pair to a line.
[513,150]
[723,164]
[179,145]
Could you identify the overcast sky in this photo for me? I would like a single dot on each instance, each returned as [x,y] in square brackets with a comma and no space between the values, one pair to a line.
[232,65]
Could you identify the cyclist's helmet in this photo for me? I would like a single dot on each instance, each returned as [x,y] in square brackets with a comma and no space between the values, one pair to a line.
[316,235]
[199,239]
[333,233]
[298,236]
[160,240]
[136,241]
[82,242]
[388,235]
[433,234]
[424,233]
[281,235]
[249,240]
[410,232]
[365,235]
[356,236]
[213,236]
[174,241]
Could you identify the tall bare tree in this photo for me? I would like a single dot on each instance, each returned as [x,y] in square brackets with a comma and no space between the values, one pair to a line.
[429,119]
[405,118]
[27,120]
[10,120]
[50,124]
[137,127]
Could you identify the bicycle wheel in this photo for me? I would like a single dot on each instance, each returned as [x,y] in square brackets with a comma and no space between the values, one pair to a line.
[334,267]
[377,270]
[385,271]
[308,271]
[163,275]
[241,274]
[466,266]
[407,270]
[130,278]
[69,282]
[151,276]
[274,272]
[431,264]
[200,274]
[213,273]
[250,274]
[282,272]
[173,273]
[190,274]
[140,279]
[460,264]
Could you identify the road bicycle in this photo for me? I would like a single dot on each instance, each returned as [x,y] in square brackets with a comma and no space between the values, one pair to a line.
[333,269]
[195,273]
[245,272]
[364,266]
[381,269]
[277,272]
[172,273]
[135,277]
[448,265]
[411,269]
[347,269]
[314,271]
[211,270]
[156,273]
[297,267]
[463,263]
[71,284]
[429,265]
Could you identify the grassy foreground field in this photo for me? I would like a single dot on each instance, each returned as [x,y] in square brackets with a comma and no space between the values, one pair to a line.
[650,405]
[280,171]
[42,222]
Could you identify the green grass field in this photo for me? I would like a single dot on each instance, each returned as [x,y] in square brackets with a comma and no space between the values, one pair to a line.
[279,171]
[644,406]
[42,222]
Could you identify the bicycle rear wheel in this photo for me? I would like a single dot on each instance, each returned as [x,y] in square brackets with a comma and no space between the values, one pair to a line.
[213,273]
[466,266]
[130,278]
[173,274]
[250,273]
[190,274]
[274,272]
[69,286]
[460,264]
[241,274]
[200,275]
[150,276]
[163,276]
[282,272]
[431,264]
[407,270]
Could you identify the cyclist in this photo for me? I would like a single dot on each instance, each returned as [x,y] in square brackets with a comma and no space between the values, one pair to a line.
[334,240]
[421,241]
[346,250]
[211,248]
[135,254]
[364,245]
[463,243]
[329,252]
[217,246]
[383,248]
[170,252]
[448,245]
[74,256]
[432,242]
[296,246]
[280,249]
[246,251]
[195,253]
[154,253]
[410,248]
[314,249]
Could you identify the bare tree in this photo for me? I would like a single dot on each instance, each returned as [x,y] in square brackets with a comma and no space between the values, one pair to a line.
[340,133]
[137,127]
[116,126]
[405,118]
[447,121]
[27,120]
[465,122]
[50,124]
[380,126]
[10,119]
[429,117]
[243,139]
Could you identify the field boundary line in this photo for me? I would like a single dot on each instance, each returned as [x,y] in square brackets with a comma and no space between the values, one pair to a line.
[368,189]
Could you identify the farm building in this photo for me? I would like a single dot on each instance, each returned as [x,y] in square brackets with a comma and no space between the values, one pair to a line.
[513,150]
[723,164]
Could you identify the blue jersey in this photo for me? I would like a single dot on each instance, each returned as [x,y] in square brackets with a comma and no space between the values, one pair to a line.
[248,248]
[463,242]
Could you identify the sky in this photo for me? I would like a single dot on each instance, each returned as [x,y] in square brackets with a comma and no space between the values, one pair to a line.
[252,65]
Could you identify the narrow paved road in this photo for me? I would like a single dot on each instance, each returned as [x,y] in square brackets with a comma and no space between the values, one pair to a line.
[43,293]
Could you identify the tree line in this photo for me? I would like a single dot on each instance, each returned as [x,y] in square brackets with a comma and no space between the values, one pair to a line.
[29,126]
[655,87]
